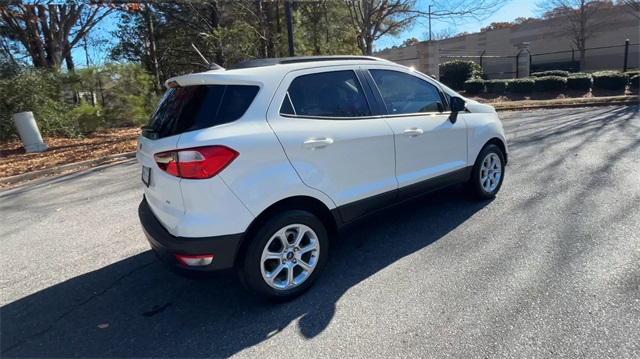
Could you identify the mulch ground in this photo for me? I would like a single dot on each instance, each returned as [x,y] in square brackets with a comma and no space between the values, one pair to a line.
[14,160]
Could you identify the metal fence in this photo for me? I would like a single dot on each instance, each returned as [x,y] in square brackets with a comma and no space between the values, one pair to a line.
[494,64]
[504,64]
[615,57]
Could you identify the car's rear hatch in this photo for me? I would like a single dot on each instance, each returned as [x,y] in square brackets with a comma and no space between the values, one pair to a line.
[183,109]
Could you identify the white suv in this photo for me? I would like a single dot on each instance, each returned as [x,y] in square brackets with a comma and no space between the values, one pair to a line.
[254,167]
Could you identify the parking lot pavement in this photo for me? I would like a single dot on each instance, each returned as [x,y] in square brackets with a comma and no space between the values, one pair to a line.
[550,268]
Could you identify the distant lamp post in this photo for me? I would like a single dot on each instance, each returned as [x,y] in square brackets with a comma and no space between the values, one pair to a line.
[430,22]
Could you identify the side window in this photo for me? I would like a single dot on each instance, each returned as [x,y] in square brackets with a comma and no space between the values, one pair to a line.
[403,93]
[326,94]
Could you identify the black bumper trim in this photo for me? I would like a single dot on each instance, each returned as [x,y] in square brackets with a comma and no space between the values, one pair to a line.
[223,248]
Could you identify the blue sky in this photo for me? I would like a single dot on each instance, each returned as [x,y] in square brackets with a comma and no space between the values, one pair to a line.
[509,12]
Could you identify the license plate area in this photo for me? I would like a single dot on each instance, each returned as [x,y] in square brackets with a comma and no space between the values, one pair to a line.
[146,175]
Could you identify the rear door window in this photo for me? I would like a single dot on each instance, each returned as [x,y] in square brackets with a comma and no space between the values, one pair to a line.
[191,108]
[334,94]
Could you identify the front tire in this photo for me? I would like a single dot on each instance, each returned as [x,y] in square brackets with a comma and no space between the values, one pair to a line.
[488,173]
[286,256]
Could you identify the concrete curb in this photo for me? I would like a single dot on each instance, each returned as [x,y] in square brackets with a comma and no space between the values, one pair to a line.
[69,167]
[622,102]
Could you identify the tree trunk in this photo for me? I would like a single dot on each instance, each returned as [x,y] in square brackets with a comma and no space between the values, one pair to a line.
[369,41]
[361,44]
[215,23]
[69,60]
[214,15]
[262,30]
[271,48]
[583,59]
[46,30]
[152,47]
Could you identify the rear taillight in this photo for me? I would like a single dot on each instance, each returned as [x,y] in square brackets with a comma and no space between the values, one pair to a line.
[197,162]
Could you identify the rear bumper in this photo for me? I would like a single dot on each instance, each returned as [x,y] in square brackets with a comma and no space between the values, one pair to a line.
[223,248]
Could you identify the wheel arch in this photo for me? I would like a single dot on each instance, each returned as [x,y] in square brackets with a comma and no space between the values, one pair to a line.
[501,145]
[305,203]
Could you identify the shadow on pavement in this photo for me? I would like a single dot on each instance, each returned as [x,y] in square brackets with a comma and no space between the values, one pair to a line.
[136,308]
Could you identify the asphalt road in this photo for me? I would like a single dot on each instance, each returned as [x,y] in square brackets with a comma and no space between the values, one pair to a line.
[550,268]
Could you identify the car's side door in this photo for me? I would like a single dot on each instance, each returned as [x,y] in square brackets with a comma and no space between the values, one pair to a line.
[336,144]
[431,151]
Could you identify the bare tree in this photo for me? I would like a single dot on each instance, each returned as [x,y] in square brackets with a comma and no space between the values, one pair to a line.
[49,32]
[442,34]
[633,6]
[374,19]
[578,20]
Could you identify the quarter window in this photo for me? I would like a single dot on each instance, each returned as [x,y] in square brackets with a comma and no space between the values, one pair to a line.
[326,94]
[404,94]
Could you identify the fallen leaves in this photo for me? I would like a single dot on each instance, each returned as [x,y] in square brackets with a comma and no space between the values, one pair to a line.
[62,151]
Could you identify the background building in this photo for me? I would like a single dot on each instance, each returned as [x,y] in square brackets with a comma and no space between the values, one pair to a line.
[532,46]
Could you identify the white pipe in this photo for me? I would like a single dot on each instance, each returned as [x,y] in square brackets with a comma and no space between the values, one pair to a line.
[29,132]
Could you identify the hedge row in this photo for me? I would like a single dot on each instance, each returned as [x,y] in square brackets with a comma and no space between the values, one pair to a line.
[525,85]
[496,86]
[550,83]
[551,73]
[610,80]
[556,81]
[474,87]
[580,82]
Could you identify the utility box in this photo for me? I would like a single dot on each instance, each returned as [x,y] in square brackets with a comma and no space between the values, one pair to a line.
[29,132]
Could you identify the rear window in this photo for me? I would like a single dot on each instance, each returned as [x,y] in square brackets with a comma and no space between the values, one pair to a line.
[191,108]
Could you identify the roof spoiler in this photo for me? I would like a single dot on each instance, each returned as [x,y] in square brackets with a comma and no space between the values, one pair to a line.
[215,67]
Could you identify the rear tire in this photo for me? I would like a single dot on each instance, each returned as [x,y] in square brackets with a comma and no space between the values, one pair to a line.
[286,256]
[488,173]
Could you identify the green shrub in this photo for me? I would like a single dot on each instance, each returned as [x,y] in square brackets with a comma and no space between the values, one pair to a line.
[129,94]
[559,73]
[455,73]
[474,86]
[610,80]
[496,86]
[38,91]
[87,118]
[125,91]
[550,83]
[635,81]
[579,82]
[523,85]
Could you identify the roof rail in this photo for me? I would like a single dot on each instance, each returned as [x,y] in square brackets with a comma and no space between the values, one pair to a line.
[299,59]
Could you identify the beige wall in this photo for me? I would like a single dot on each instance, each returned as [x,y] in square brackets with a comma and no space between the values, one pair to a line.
[541,38]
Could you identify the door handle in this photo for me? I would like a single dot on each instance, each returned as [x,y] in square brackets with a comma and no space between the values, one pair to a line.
[313,143]
[413,132]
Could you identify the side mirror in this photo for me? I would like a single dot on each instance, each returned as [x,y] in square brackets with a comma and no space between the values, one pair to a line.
[458,104]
